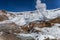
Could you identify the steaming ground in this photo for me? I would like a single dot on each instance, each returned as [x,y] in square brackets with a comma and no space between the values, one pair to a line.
[45,33]
[15,25]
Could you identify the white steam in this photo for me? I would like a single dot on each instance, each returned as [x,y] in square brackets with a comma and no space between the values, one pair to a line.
[40,6]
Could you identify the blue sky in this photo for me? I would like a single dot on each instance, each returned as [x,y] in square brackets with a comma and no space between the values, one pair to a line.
[52,4]
[26,5]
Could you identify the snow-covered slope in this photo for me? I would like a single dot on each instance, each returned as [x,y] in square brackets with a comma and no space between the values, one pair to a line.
[22,19]
[34,16]
[45,33]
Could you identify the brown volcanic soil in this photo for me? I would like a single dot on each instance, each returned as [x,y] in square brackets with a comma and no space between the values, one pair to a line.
[6,36]
[9,27]
[56,20]
[3,17]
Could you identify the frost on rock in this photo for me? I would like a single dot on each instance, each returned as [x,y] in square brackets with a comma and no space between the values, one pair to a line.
[45,33]
[52,15]
[19,20]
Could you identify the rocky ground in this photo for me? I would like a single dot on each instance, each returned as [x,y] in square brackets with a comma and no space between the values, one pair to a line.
[33,30]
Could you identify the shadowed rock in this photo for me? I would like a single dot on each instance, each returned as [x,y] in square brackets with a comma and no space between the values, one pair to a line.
[6,36]
[3,16]
[9,27]
[56,20]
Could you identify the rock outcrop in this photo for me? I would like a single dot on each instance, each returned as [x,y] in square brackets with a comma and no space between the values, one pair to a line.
[3,16]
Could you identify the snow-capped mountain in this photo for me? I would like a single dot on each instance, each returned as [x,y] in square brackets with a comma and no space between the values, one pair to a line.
[25,21]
